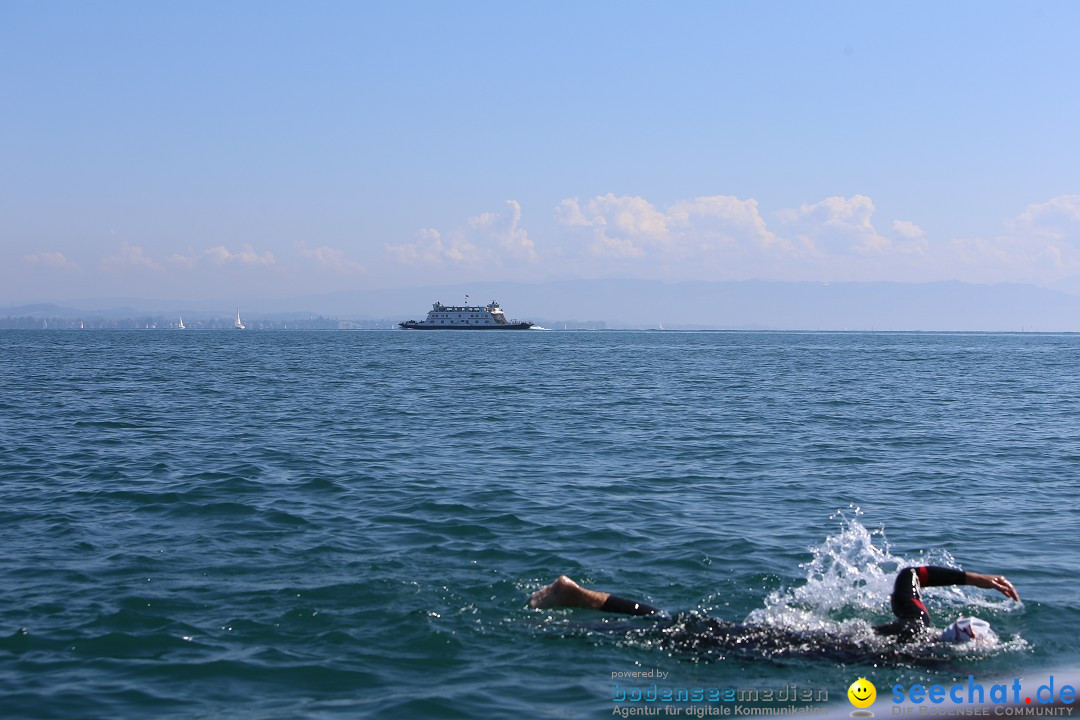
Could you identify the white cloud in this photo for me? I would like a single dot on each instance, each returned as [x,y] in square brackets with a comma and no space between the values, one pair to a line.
[1041,245]
[486,239]
[505,230]
[330,258]
[130,256]
[908,229]
[720,236]
[1057,220]
[429,248]
[568,213]
[221,255]
[183,261]
[53,260]
[911,238]
[622,226]
[721,219]
[723,236]
[1066,206]
[836,225]
[631,227]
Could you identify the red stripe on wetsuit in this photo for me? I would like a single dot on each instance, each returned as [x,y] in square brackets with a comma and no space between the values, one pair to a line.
[907,599]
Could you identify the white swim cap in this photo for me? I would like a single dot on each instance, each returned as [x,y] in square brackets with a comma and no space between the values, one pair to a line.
[966,628]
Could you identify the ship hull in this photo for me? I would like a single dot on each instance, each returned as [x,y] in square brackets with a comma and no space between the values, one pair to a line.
[425,326]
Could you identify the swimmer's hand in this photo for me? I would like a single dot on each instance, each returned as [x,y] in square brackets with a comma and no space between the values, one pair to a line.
[993,582]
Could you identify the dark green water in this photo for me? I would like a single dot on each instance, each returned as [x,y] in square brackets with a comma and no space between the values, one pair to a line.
[279,525]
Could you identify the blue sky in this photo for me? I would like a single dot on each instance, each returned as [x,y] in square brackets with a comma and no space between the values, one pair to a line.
[262,149]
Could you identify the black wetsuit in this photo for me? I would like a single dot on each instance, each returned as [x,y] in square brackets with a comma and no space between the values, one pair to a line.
[710,639]
[912,618]
[616,604]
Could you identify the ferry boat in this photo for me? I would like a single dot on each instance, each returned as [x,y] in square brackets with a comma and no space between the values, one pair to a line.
[466,317]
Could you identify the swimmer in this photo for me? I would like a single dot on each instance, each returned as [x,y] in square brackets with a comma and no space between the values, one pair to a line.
[912,619]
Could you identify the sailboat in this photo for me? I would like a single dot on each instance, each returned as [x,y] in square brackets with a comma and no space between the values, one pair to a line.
[238,325]
[181,326]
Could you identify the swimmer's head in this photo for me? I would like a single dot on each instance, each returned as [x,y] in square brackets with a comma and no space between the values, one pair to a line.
[966,628]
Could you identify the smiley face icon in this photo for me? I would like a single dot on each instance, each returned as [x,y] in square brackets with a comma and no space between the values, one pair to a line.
[862,693]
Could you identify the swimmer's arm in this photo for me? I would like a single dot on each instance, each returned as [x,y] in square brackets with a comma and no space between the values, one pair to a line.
[564,592]
[933,576]
[992,582]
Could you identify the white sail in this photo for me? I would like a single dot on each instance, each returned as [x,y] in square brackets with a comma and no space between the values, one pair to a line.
[238,325]
[181,326]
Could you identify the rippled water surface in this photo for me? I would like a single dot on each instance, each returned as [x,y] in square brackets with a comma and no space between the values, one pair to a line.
[278,525]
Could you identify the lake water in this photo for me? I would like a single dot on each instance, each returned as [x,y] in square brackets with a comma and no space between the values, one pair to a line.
[348,524]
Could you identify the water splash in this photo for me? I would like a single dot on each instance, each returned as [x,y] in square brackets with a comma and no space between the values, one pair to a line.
[848,583]
[850,574]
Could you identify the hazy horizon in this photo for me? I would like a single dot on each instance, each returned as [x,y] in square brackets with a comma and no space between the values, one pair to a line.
[637,304]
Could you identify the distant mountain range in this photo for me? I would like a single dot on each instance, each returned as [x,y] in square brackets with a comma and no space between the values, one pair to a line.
[637,304]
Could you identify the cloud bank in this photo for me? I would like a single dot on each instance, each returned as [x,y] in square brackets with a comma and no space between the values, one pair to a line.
[332,259]
[493,239]
[726,237]
[53,260]
[632,227]
[220,255]
[705,238]
[723,237]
